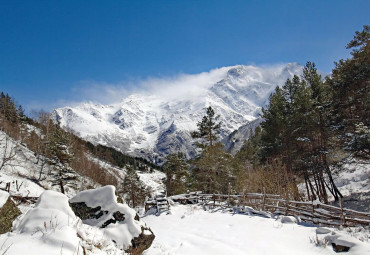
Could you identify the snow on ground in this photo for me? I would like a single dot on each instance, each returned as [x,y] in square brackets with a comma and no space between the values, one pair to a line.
[3,197]
[191,230]
[119,173]
[22,172]
[354,183]
[153,180]
[26,187]
[21,169]
[354,178]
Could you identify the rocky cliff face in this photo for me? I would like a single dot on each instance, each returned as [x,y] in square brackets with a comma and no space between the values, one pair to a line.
[151,125]
[234,142]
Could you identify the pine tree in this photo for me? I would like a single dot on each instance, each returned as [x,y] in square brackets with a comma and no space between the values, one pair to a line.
[213,171]
[133,188]
[208,129]
[177,172]
[9,118]
[350,83]
[59,151]
[293,131]
[249,153]
[320,131]
[274,126]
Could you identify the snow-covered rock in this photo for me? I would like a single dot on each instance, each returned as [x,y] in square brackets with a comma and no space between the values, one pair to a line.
[322,230]
[288,219]
[51,208]
[49,228]
[99,208]
[339,243]
[152,126]
[52,227]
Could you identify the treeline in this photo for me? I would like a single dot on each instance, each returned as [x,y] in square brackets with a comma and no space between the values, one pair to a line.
[312,124]
[119,159]
[310,127]
[12,115]
[60,153]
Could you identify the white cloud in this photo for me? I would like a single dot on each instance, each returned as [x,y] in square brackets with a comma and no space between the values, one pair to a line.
[178,86]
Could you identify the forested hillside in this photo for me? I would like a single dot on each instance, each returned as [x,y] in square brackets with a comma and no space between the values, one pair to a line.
[60,155]
[311,127]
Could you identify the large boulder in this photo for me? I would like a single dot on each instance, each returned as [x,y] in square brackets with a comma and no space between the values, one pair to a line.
[99,208]
[8,212]
[339,243]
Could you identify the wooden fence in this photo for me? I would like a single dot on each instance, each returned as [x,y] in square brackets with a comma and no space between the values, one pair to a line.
[310,211]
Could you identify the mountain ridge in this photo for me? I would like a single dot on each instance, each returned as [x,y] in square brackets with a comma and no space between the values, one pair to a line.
[152,125]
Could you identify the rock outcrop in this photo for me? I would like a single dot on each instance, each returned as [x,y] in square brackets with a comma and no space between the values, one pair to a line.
[8,212]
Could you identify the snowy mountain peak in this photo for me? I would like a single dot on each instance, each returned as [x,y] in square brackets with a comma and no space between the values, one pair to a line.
[157,121]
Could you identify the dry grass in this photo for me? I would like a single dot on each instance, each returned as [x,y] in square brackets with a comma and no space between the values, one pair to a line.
[272,179]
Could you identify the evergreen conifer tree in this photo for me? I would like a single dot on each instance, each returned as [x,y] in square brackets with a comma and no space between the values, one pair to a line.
[133,188]
[208,129]
[350,83]
[59,151]
[177,172]
[274,126]
[213,171]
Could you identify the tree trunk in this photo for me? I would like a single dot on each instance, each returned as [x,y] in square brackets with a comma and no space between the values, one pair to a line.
[61,186]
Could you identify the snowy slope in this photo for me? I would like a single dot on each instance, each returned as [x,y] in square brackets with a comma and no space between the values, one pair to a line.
[152,124]
[191,230]
[22,171]
[153,180]
[353,181]
[51,227]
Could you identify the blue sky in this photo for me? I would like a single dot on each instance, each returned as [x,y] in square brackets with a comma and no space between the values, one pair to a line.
[50,49]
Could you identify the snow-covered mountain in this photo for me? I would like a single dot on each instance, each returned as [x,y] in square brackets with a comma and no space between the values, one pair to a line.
[234,142]
[156,122]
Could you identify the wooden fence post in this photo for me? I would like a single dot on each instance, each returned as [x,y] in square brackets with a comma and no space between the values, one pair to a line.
[286,206]
[342,211]
[263,199]
[228,195]
[313,211]
[243,200]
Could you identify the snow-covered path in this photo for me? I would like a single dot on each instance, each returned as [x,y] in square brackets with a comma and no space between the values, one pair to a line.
[190,230]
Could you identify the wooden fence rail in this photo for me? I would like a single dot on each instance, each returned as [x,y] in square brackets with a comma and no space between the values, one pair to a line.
[312,211]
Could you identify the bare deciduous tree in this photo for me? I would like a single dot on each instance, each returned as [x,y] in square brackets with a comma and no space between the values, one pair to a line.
[8,152]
